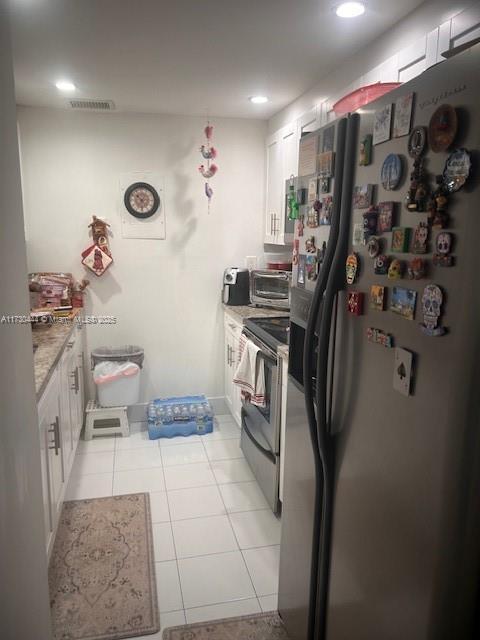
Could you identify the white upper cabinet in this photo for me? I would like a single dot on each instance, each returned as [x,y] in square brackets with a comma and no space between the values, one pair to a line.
[282,161]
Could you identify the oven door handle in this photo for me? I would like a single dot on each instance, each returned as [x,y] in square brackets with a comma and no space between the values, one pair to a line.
[252,438]
[266,357]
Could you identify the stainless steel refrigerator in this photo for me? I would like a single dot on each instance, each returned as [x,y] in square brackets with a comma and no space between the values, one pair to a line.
[381,509]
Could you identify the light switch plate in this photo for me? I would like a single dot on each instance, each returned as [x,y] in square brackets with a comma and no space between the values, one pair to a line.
[402,371]
[251,262]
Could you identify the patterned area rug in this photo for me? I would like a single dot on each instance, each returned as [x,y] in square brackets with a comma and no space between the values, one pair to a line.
[102,571]
[260,626]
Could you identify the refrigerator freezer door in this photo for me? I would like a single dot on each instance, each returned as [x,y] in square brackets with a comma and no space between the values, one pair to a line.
[405,534]
[297,518]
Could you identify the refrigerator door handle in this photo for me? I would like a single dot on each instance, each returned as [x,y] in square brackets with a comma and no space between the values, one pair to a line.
[315,315]
[326,334]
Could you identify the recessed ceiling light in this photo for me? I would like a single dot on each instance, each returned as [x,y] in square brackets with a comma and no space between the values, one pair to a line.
[258,99]
[350,9]
[65,85]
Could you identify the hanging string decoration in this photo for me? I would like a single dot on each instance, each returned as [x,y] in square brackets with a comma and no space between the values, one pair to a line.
[209,168]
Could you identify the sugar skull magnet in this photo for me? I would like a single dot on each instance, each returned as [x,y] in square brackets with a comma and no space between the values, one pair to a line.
[443,247]
[351,268]
[432,300]
[395,270]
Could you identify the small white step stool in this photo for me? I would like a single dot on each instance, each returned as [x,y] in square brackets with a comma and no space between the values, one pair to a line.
[96,415]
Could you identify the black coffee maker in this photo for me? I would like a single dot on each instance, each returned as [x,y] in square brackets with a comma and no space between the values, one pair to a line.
[236,286]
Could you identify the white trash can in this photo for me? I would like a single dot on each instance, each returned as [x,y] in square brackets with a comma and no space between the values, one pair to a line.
[118,383]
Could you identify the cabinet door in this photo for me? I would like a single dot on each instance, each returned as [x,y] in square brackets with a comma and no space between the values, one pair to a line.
[236,392]
[274,187]
[65,410]
[284,227]
[45,439]
[228,370]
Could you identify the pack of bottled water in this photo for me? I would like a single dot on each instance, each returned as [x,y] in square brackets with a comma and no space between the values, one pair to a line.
[185,416]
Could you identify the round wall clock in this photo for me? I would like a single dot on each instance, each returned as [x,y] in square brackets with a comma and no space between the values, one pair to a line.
[141,200]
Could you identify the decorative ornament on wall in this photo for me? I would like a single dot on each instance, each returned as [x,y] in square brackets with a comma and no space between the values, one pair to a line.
[97,257]
[208,169]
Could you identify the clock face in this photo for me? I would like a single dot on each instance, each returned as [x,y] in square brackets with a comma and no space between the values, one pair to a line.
[141,200]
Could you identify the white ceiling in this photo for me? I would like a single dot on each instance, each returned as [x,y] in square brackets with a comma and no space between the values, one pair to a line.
[193,57]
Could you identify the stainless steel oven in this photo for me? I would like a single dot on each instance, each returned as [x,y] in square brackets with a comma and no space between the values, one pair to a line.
[270,288]
[260,435]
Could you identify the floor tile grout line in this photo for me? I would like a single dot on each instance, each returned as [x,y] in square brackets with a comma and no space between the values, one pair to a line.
[173,537]
[215,604]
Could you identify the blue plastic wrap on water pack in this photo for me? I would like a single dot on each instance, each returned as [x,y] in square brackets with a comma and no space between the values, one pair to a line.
[186,416]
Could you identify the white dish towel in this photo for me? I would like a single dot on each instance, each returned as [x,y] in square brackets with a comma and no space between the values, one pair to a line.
[250,372]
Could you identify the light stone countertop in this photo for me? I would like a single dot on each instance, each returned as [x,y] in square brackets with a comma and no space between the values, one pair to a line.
[51,340]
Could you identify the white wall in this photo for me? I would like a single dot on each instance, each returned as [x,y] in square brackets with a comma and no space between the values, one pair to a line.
[24,602]
[381,61]
[165,294]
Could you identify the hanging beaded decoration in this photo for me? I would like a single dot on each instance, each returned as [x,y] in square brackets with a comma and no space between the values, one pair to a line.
[208,170]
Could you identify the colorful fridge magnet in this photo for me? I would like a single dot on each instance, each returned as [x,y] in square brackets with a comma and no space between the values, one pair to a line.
[403,302]
[292,204]
[321,255]
[416,269]
[400,239]
[402,371]
[325,164]
[312,189]
[382,124]
[300,226]
[312,216]
[385,216]
[377,297]
[418,191]
[417,142]
[420,238]
[326,210]
[395,269]
[362,196]
[96,259]
[296,250]
[365,155]
[357,234]
[443,247]
[457,170]
[391,173]
[324,184]
[437,207]
[381,264]
[302,195]
[373,247]
[351,268]
[377,336]
[355,302]
[442,128]
[328,138]
[310,245]
[301,271]
[370,219]
[432,300]
[311,267]
[403,115]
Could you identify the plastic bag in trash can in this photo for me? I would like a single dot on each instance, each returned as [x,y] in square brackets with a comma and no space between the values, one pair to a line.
[109,371]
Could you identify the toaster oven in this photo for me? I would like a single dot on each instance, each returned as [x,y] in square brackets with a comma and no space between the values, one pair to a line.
[270,288]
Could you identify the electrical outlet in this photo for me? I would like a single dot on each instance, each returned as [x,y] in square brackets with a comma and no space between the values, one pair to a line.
[251,262]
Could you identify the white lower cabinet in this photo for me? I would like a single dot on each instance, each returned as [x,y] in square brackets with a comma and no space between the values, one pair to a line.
[60,415]
[233,331]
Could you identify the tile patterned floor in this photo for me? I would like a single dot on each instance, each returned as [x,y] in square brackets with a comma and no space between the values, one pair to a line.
[216,541]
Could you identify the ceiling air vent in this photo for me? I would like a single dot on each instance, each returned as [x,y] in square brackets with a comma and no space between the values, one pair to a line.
[92,105]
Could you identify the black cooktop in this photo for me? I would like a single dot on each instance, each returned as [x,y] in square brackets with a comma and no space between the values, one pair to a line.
[272,331]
